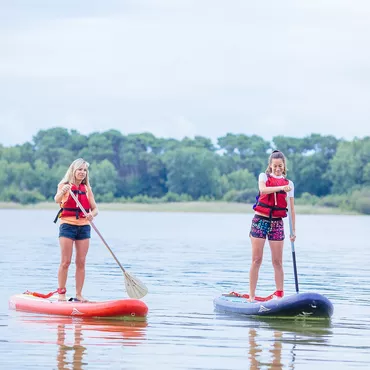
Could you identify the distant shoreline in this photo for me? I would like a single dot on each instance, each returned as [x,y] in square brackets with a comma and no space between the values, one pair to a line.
[198,207]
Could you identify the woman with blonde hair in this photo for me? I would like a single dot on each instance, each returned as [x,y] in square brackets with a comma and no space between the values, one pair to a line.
[74,227]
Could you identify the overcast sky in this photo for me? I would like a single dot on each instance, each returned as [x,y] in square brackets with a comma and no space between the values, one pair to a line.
[185,67]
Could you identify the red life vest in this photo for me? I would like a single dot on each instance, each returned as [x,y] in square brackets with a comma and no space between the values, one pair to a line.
[70,208]
[273,205]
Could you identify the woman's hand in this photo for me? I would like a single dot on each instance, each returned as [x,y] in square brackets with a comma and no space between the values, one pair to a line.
[286,188]
[65,188]
[90,216]
[292,237]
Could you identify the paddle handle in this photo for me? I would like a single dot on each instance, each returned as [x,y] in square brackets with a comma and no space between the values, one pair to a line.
[96,229]
[293,248]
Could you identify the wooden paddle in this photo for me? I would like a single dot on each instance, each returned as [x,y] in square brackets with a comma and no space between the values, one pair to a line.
[134,287]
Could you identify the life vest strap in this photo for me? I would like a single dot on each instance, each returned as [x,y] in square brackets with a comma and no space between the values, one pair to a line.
[272,208]
[78,191]
[275,208]
[76,210]
[58,215]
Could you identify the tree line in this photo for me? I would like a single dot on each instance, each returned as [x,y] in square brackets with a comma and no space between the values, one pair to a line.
[142,167]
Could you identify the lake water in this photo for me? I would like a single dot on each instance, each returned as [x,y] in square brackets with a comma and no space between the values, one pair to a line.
[186,260]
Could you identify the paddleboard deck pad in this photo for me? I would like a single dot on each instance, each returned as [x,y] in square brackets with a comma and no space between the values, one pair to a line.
[123,309]
[310,305]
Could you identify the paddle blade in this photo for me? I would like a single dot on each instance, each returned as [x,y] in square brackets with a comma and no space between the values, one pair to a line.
[134,287]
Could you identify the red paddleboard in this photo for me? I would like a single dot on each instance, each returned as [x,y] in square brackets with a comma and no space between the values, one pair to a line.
[123,309]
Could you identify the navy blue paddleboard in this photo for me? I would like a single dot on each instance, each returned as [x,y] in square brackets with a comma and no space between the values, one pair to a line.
[310,305]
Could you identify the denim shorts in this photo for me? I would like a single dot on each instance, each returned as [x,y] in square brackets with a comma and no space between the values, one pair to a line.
[263,226]
[75,232]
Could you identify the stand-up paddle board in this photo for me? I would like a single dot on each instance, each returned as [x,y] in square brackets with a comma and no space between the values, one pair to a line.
[122,309]
[309,305]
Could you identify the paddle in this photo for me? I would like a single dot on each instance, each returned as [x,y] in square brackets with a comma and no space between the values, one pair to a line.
[134,287]
[293,249]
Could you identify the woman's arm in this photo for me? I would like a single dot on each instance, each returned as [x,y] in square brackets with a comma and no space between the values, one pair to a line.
[94,208]
[272,189]
[62,189]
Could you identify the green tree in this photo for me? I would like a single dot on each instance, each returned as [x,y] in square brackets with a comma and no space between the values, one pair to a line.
[46,179]
[348,167]
[193,171]
[18,153]
[247,152]
[103,179]
[141,170]
[51,146]
[4,175]
[99,148]
[239,180]
[308,161]
[199,142]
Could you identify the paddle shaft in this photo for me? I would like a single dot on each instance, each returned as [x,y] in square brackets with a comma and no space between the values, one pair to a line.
[96,230]
[293,249]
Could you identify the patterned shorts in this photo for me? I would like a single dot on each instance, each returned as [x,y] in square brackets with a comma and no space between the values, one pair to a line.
[262,227]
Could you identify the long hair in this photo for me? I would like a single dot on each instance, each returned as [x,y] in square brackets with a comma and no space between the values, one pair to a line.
[276,154]
[69,176]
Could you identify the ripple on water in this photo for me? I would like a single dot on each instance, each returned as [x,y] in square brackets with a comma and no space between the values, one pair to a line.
[186,260]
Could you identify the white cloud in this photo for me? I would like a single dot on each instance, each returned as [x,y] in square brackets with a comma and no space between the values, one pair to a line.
[14,129]
[217,67]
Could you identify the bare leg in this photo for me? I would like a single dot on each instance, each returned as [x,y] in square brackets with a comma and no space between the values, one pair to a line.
[66,249]
[257,254]
[82,247]
[277,262]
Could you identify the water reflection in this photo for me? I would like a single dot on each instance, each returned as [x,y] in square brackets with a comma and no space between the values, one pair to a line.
[255,352]
[77,350]
[286,334]
[74,336]
[314,328]
[184,332]
[271,343]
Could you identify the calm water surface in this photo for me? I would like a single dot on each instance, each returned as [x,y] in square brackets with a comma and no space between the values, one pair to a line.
[186,260]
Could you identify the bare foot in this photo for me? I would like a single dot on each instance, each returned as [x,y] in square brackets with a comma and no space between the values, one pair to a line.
[81,298]
[62,298]
[251,299]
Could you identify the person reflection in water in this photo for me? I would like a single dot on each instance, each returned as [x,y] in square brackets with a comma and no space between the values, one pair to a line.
[256,352]
[73,356]
[77,349]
